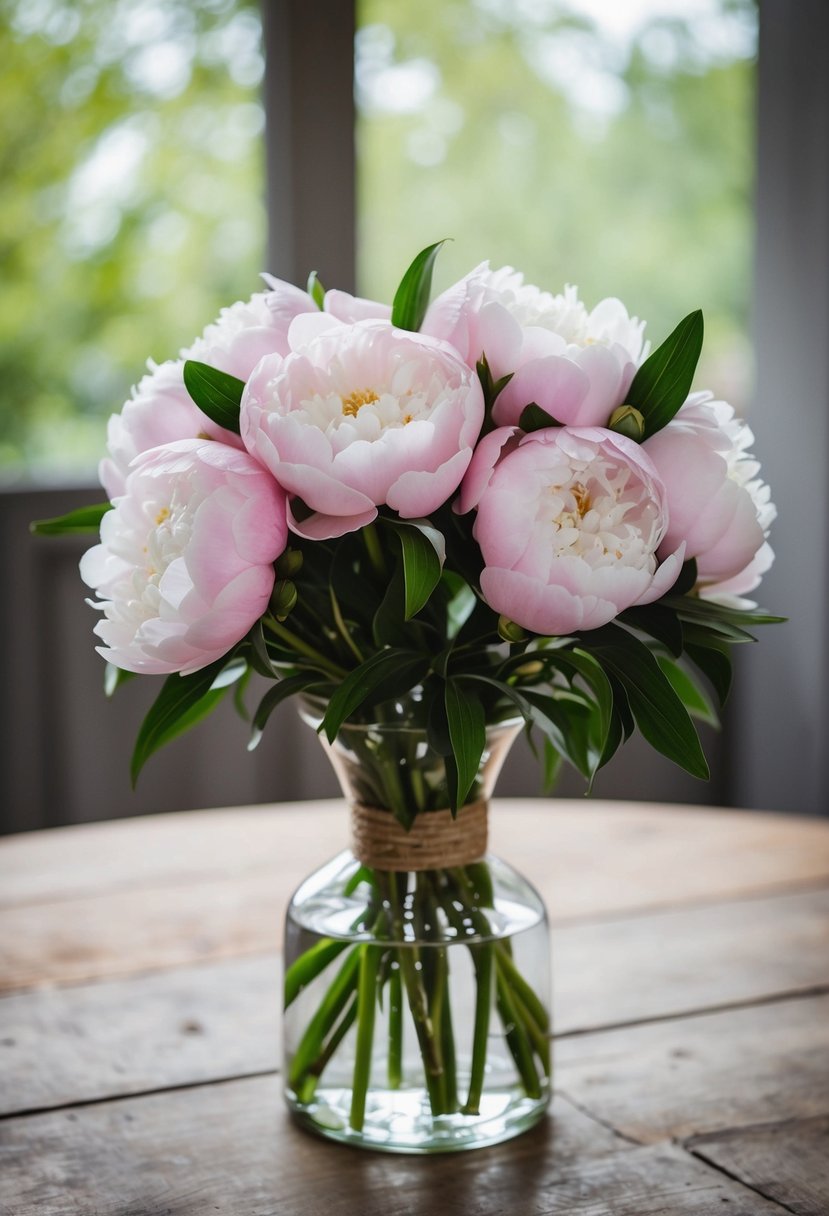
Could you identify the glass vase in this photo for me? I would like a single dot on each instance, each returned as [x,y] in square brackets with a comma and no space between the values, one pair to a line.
[417,966]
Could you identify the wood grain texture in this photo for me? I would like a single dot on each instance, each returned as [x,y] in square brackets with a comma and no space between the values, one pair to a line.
[149,1032]
[139,963]
[230,1149]
[632,969]
[106,900]
[788,1162]
[592,855]
[218,1020]
[707,1073]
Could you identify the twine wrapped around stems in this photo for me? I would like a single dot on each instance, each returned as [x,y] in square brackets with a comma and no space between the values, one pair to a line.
[435,840]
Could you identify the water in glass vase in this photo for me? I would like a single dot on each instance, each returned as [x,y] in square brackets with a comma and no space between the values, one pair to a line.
[417,1005]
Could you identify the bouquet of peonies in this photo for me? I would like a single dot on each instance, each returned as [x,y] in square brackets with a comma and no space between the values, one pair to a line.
[492,499]
[493,509]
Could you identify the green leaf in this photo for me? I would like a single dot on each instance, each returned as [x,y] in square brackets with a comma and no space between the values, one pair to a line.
[114,677]
[687,578]
[423,549]
[316,290]
[84,519]
[388,627]
[182,702]
[281,691]
[467,732]
[664,380]
[659,712]
[658,622]
[385,674]
[535,713]
[713,660]
[592,673]
[215,393]
[412,296]
[534,418]
[461,602]
[239,694]
[689,693]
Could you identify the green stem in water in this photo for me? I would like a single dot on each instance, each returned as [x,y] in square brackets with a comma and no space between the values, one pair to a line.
[522,989]
[483,958]
[303,647]
[308,1085]
[326,1015]
[308,966]
[517,1038]
[408,959]
[395,1070]
[539,1039]
[447,1043]
[366,1005]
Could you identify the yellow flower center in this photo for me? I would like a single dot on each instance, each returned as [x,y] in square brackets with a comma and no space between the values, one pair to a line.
[354,402]
[163,514]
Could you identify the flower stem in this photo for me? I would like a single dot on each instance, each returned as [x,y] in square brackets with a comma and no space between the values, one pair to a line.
[522,989]
[395,1068]
[517,1038]
[409,961]
[308,1085]
[326,1015]
[374,550]
[309,965]
[483,959]
[366,1004]
[303,647]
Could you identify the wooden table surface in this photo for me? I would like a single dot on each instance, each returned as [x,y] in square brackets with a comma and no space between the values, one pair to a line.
[138,1021]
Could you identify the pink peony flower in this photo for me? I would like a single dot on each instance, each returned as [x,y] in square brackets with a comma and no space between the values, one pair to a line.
[161,410]
[359,416]
[184,567]
[569,523]
[577,365]
[718,505]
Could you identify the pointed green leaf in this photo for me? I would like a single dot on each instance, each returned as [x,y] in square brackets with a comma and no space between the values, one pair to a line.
[659,622]
[712,659]
[386,674]
[215,393]
[534,418]
[84,519]
[114,677]
[659,712]
[316,290]
[412,296]
[687,578]
[467,732]
[689,693]
[389,626]
[281,691]
[182,702]
[424,550]
[664,380]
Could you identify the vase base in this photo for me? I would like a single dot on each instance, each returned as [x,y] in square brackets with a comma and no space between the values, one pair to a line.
[398,1121]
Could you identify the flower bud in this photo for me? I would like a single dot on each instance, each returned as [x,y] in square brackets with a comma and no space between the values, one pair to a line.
[509,631]
[283,599]
[289,563]
[627,420]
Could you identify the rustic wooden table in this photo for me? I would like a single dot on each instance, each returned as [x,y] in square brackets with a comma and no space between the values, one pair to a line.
[138,1025]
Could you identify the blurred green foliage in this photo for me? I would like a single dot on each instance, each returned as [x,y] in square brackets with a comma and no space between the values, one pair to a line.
[536,139]
[131,209]
[131,178]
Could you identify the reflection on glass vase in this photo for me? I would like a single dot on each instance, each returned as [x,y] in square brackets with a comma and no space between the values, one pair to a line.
[417,966]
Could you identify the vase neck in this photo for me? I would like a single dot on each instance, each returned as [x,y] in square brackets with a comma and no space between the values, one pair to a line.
[436,839]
